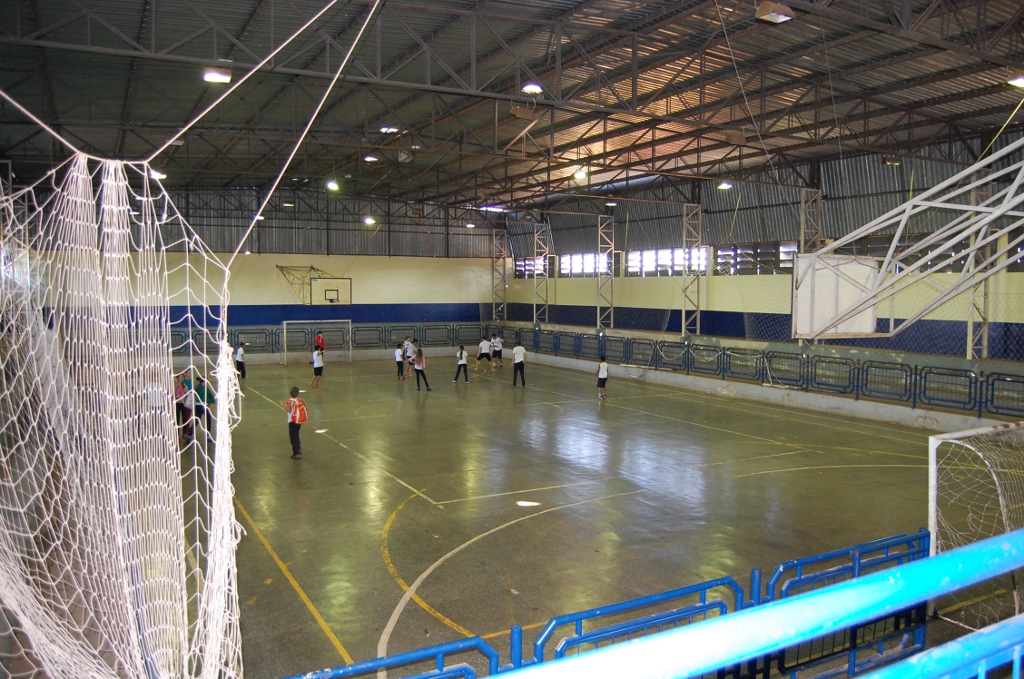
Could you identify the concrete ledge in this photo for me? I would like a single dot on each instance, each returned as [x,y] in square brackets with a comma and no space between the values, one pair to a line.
[933,420]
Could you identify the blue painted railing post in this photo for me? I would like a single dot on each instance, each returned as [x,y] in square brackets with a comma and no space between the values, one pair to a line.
[755,588]
[982,393]
[515,635]
[914,383]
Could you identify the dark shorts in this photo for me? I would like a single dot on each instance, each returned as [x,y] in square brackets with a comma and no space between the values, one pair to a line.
[497,353]
[483,357]
[318,371]
[601,381]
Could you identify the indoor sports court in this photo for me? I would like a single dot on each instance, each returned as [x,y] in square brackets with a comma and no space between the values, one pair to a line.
[736,288]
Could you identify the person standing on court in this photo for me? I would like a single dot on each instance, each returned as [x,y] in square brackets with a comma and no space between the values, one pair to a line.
[602,379]
[240,359]
[318,367]
[484,354]
[421,368]
[518,363]
[410,351]
[496,346]
[400,360]
[463,368]
[296,418]
[318,341]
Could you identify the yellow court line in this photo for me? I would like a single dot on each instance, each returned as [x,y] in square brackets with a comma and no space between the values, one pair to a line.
[295,585]
[503,632]
[513,492]
[835,466]
[401,582]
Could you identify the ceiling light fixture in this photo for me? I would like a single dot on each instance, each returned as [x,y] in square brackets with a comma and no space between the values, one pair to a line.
[287,204]
[725,185]
[1016,79]
[611,203]
[157,174]
[892,161]
[176,142]
[369,221]
[246,252]
[332,185]
[532,88]
[492,208]
[217,74]
[773,12]
[388,129]
[370,158]
[470,225]
[580,174]
[260,218]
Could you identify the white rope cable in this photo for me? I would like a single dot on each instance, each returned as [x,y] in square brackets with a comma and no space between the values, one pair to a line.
[241,80]
[305,131]
[13,102]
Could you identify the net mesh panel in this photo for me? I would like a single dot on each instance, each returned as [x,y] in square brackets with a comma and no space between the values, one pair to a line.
[117,538]
[980,495]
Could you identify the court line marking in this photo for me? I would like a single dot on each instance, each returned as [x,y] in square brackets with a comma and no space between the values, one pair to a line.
[834,466]
[386,552]
[382,645]
[361,457]
[513,492]
[295,585]
[505,631]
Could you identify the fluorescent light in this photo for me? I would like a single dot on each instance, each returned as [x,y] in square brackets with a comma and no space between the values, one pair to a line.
[287,204]
[532,88]
[388,129]
[773,12]
[260,218]
[416,147]
[1016,79]
[492,208]
[332,185]
[368,220]
[580,174]
[246,252]
[157,174]
[725,185]
[370,158]
[470,225]
[176,142]
[892,160]
[611,203]
[215,74]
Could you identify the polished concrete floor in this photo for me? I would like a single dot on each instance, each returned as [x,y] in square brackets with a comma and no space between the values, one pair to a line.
[652,489]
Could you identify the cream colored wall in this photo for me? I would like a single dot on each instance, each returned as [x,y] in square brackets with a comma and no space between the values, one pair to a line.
[766,294]
[375,280]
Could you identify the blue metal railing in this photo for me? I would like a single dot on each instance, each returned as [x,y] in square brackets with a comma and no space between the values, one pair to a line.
[999,393]
[865,646]
[760,631]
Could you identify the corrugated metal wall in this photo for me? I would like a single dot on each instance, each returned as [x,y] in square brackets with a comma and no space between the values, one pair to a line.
[317,224]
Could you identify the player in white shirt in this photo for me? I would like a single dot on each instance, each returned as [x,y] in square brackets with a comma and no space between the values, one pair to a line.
[400,360]
[463,358]
[240,359]
[484,354]
[318,367]
[496,345]
[518,363]
[602,379]
[410,350]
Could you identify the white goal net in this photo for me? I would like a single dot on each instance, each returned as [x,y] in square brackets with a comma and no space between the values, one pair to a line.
[117,532]
[976,491]
[298,339]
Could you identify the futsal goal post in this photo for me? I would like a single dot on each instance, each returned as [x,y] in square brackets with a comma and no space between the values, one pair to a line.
[976,491]
[297,339]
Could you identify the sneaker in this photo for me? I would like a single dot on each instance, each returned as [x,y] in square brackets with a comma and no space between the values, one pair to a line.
[454,381]
[428,388]
[296,457]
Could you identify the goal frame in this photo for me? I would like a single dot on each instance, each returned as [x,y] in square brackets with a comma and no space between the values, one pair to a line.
[345,323]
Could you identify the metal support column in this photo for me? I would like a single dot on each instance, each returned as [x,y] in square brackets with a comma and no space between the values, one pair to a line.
[605,267]
[810,220]
[692,243]
[541,252]
[499,275]
[978,309]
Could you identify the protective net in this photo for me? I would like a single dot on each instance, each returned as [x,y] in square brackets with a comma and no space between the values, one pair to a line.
[979,493]
[117,530]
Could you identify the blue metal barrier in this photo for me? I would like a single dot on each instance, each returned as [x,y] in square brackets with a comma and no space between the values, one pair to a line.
[590,346]
[833,374]
[888,381]
[643,352]
[436,336]
[703,609]
[743,364]
[974,655]
[615,349]
[759,631]
[1004,394]
[947,387]
[437,653]
[674,355]
[368,337]
[567,343]
[706,359]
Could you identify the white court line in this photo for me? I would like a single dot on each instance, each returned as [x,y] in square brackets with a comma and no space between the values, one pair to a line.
[382,645]
[363,458]
[513,492]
